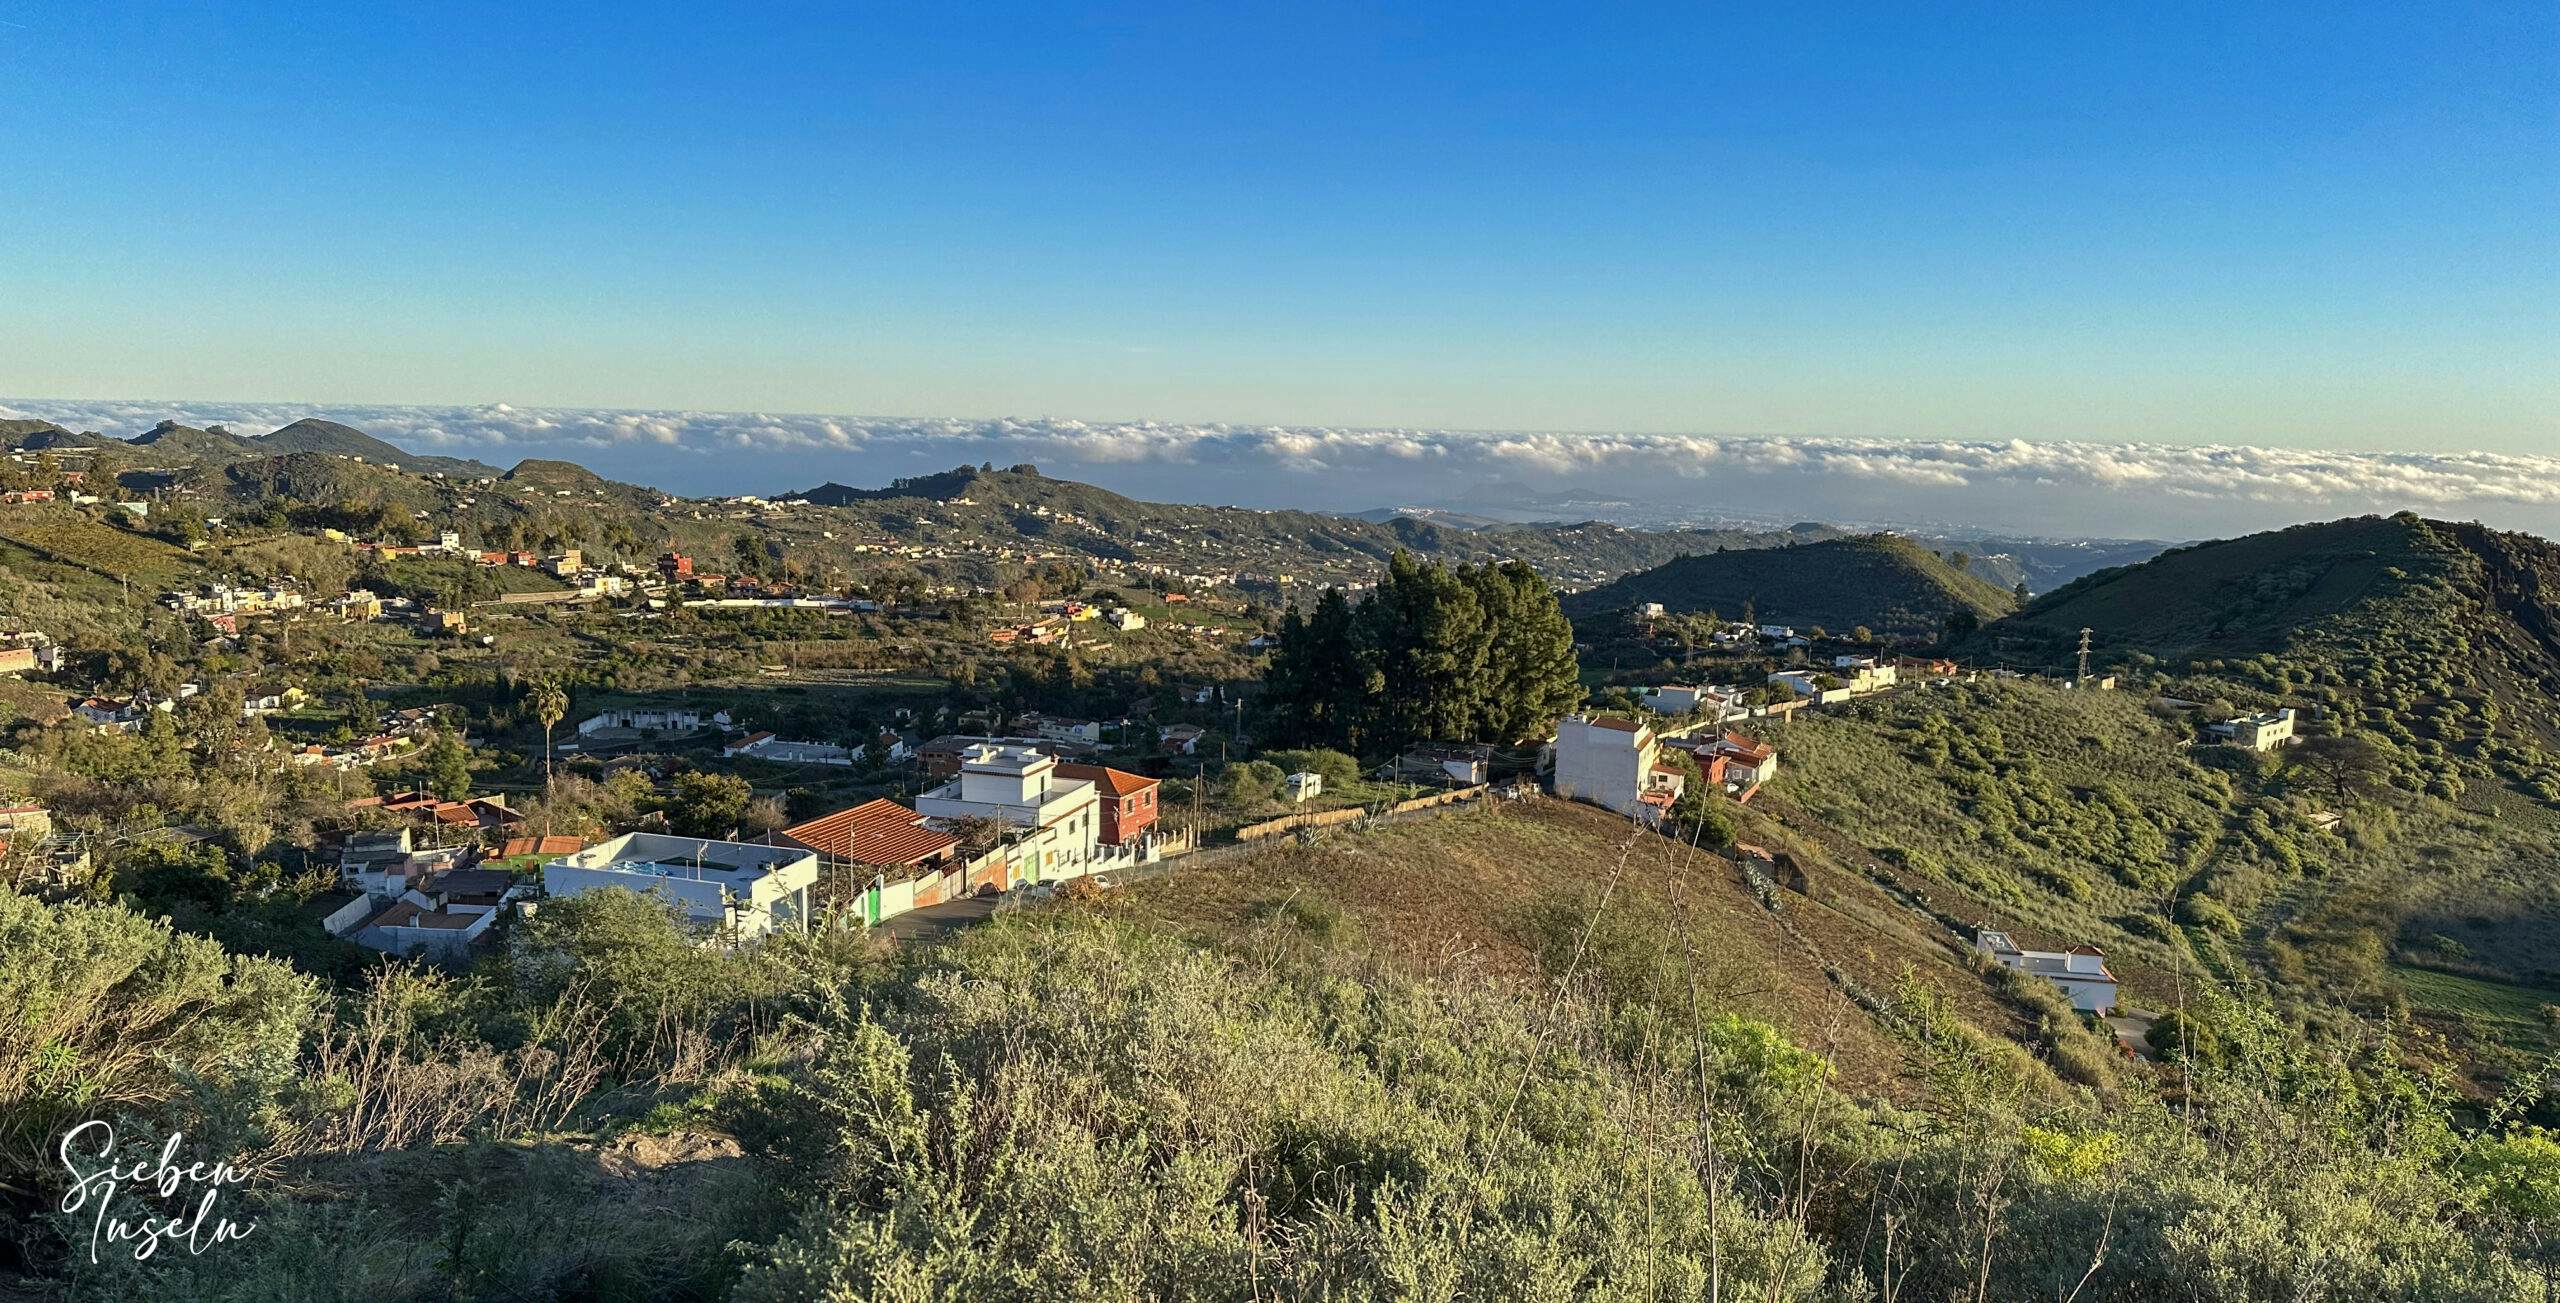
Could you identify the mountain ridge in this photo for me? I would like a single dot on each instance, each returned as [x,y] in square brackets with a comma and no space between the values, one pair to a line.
[1883,581]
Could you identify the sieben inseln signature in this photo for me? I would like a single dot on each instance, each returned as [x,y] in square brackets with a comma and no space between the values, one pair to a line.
[98,1181]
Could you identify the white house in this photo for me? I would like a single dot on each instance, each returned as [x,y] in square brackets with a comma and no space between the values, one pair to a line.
[745,888]
[440,917]
[1674,698]
[1303,785]
[1125,620]
[634,719]
[1809,687]
[1057,820]
[780,751]
[2260,732]
[2081,971]
[1614,763]
[1060,729]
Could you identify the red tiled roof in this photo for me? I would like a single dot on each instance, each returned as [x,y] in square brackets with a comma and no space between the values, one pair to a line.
[1622,725]
[562,845]
[874,832]
[1107,780]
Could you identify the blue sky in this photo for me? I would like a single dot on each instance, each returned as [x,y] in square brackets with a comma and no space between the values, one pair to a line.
[2309,226]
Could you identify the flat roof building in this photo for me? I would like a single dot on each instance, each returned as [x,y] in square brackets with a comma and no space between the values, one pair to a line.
[740,886]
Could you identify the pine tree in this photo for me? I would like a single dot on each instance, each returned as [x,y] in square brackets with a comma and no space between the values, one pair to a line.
[1531,676]
[1425,629]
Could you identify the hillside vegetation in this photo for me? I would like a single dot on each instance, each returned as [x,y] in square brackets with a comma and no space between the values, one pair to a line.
[1887,583]
[1547,1068]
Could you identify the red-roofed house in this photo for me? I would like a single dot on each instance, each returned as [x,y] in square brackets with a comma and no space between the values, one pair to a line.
[1128,800]
[882,856]
[546,847]
[878,834]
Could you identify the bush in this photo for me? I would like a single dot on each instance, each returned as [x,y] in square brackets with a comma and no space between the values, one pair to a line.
[1334,767]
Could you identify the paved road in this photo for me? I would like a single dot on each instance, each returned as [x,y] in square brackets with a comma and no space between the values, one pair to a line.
[936,922]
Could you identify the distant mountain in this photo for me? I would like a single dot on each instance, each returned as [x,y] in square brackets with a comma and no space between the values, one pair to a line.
[2359,589]
[548,473]
[311,434]
[1883,581]
[27,435]
[1435,515]
[177,444]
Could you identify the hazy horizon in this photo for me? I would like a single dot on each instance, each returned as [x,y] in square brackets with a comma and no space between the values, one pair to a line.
[2059,488]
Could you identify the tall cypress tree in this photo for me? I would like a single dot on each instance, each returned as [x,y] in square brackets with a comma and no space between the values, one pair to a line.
[1531,675]
[1483,653]
[1424,630]
[1318,686]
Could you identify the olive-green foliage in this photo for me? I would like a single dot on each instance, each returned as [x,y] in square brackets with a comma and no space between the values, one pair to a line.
[476,1221]
[1336,768]
[1074,1109]
[2019,790]
[707,804]
[109,1014]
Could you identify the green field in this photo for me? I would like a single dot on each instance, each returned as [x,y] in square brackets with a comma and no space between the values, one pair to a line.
[2513,1014]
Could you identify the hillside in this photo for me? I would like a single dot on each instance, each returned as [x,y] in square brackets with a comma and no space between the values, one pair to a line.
[1022,502]
[311,434]
[1885,582]
[2439,639]
[38,435]
[1496,896]
[2240,596]
[172,444]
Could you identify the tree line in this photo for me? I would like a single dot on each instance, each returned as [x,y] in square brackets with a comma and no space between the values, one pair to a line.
[1475,654]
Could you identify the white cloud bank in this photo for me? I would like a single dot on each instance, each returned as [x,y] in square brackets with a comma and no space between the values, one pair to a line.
[2055,486]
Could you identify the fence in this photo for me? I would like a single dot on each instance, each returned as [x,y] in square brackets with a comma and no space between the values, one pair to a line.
[1331,818]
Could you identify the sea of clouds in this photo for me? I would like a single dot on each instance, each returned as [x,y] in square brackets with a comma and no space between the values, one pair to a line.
[2048,486]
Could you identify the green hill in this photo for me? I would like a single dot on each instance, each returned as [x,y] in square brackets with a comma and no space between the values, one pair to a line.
[2441,637]
[31,435]
[1023,503]
[1883,581]
[173,444]
[311,434]
[2239,596]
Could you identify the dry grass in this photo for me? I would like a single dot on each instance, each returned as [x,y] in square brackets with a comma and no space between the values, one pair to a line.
[1457,898]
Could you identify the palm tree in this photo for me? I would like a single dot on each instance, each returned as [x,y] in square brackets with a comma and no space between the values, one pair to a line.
[550,705]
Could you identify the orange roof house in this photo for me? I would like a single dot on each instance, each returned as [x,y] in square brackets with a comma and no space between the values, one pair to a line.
[878,834]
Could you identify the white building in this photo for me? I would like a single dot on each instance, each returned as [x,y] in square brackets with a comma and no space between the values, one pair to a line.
[1058,820]
[1807,685]
[632,719]
[1715,703]
[1672,698]
[1304,785]
[1614,763]
[782,751]
[2081,971]
[738,886]
[2261,732]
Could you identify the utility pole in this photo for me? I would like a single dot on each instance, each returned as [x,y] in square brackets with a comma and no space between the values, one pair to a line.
[2084,658]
